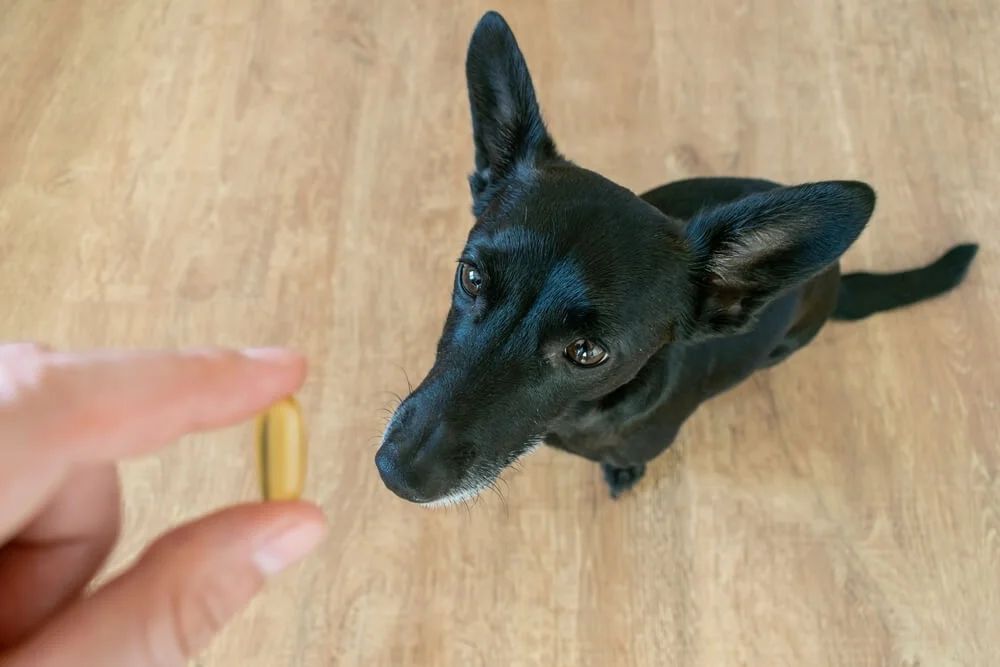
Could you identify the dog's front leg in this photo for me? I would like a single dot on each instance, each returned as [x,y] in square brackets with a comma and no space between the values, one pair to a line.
[621,471]
[622,478]
[624,466]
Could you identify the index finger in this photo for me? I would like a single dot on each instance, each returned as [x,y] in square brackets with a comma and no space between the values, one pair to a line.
[106,405]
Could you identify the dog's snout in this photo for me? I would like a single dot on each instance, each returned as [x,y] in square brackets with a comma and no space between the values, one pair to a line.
[411,472]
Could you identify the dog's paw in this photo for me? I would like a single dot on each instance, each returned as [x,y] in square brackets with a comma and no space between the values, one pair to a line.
[621,480]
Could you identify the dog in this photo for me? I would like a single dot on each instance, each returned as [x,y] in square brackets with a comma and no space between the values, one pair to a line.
[593,320]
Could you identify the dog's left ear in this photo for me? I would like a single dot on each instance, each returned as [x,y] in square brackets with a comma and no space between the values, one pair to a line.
[748,252]
[507,124]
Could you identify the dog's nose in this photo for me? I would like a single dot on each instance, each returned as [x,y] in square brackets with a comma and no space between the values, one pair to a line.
[415,473]
[393,471]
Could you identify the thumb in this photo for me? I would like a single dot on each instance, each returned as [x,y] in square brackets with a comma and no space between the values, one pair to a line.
[182,591]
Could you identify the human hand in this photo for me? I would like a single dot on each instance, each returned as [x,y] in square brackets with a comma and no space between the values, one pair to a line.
[65,420]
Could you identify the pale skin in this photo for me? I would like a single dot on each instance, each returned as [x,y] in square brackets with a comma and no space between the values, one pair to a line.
[65,421]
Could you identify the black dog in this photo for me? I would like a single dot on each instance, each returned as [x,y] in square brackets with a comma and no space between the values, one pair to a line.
[596,321]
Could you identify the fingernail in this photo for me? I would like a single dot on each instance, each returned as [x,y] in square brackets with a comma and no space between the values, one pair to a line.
[288,547]
[269,353]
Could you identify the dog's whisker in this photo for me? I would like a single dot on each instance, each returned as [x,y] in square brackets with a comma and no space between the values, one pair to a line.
[495,488]
[406,376]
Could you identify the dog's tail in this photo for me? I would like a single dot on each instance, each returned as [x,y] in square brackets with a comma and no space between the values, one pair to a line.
[864,294]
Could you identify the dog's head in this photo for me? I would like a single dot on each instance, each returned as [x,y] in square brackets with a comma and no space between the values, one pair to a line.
[568,283]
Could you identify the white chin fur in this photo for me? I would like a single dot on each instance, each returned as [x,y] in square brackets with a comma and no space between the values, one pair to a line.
[455,497]
[471,488]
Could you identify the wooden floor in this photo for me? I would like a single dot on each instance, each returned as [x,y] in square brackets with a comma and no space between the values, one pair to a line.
[248,172]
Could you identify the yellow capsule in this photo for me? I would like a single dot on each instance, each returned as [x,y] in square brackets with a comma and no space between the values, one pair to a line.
[281,451]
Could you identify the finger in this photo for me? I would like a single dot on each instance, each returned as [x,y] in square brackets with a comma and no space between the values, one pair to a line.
[52,560]
[105,405]
[163,611]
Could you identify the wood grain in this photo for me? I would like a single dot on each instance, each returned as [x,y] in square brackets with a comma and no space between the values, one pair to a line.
[247,172]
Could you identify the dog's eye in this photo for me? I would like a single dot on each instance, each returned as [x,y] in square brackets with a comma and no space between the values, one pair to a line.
[470,279]
[585,352]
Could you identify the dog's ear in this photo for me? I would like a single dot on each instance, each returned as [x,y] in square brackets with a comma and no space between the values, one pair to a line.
[747,252]
[507,124]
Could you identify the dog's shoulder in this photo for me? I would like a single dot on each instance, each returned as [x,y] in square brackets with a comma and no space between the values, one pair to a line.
[683,199]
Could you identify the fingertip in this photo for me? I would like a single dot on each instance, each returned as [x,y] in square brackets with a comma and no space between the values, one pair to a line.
[295,528]
[284,511]
[278,354]
[288,547]
[289,361]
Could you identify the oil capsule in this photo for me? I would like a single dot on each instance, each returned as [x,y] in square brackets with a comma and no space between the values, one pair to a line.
[281,451]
